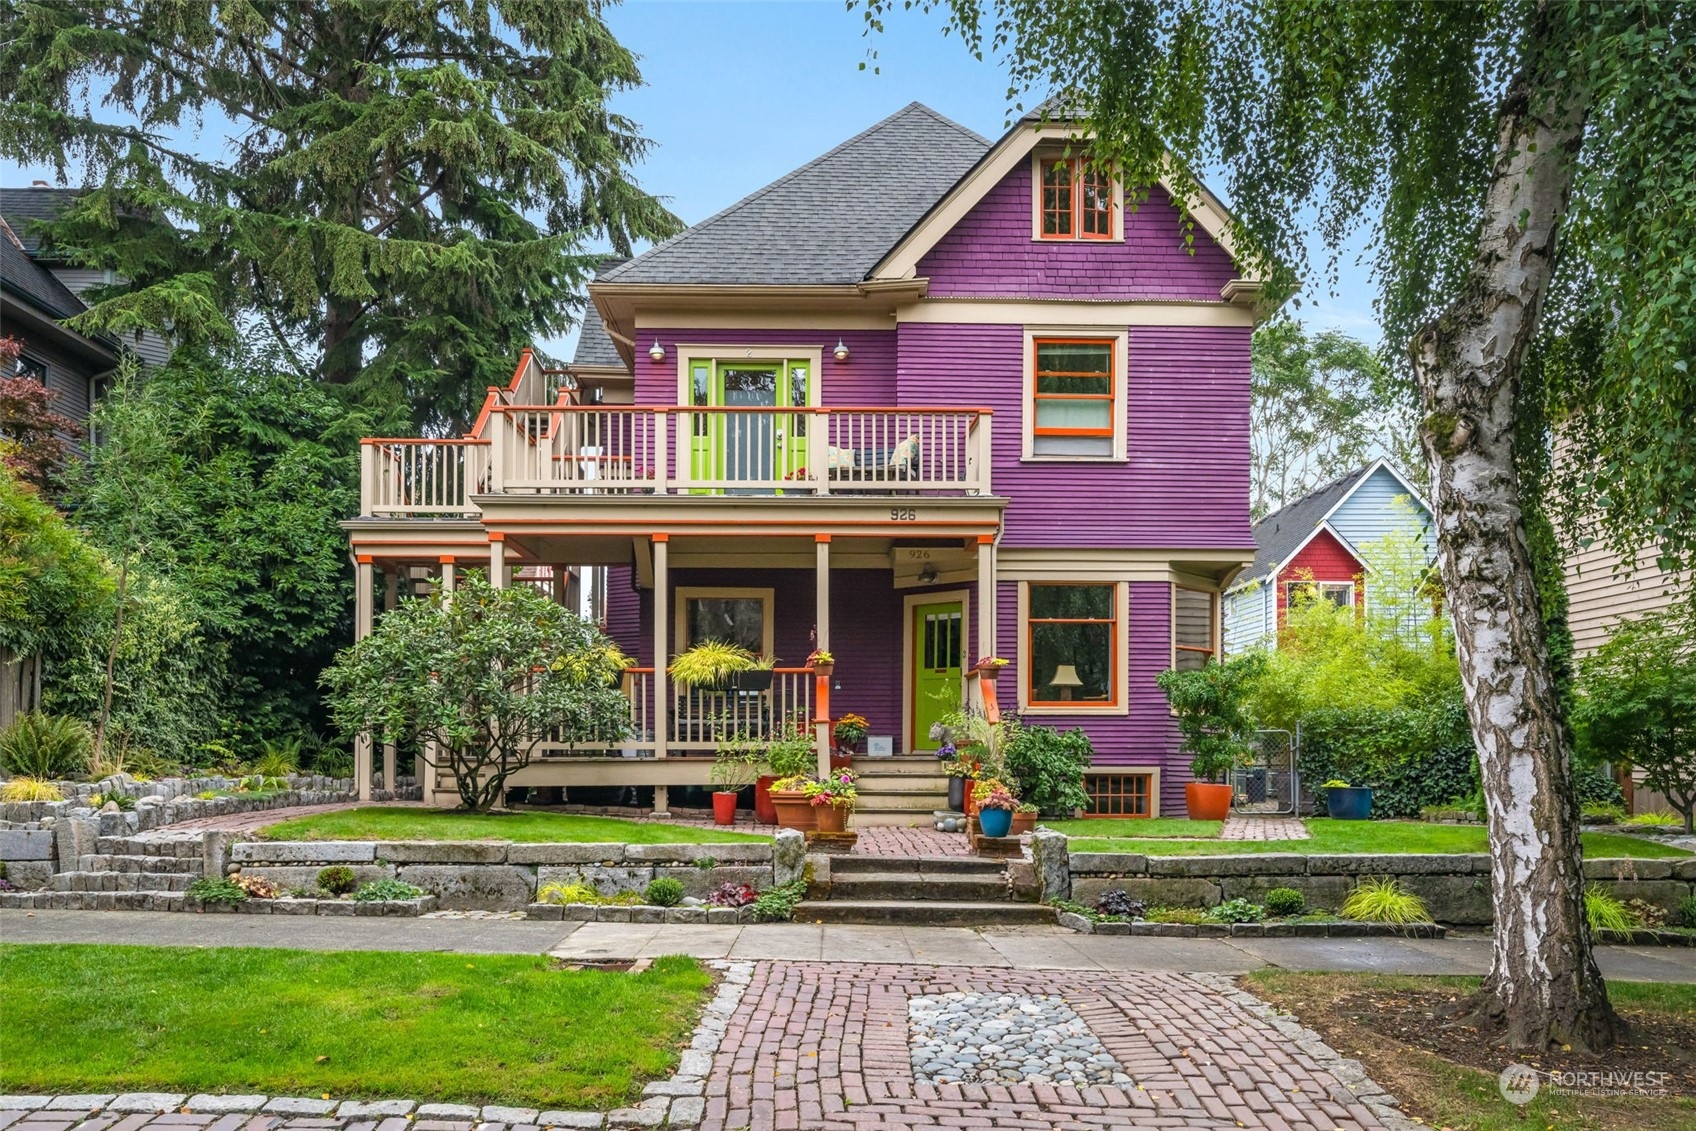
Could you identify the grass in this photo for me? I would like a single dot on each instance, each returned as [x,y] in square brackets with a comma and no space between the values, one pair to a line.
[449,1027]
[1329,837]
[380,823]
[1443,1094]
[1093,828]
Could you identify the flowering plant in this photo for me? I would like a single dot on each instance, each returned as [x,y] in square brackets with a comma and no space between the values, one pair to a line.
[961,768]
[732,895]
[997,796]
[989,663]
[837,789]
[850,728]
[819,656]
[947,751]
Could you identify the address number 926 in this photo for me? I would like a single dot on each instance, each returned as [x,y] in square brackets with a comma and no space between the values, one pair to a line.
[903,514]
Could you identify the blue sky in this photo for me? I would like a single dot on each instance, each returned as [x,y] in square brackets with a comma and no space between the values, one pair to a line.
[742,91]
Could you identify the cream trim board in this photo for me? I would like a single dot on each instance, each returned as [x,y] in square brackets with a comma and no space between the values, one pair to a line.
[1153,773]
[1073,314]
[688,353]
[671,319]
[1120,338]
[1040,154]
[680,603]
[908,604]
[1121,656]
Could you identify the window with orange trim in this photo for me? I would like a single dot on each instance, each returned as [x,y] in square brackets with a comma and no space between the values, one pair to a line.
[1072,396]
[1119,795]
[1072,645]
[1076,201]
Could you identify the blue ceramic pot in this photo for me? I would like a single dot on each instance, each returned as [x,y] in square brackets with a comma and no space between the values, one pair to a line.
[1351,804]
[995,822]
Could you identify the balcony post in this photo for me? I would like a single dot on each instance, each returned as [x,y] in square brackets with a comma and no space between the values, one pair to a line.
[662,649]
[985,453]
[367,478]
[818,451]
[497,449]
[662,452]
[447,564]
[821,620]
[363,599]
[497,560]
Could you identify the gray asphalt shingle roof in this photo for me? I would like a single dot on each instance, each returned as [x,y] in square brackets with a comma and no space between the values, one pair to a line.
[1278,534]
[594,344]
[34,283]
[828,222]
[21,207]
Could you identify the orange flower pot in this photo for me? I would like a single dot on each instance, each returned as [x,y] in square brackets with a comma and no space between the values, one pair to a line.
[794,810]
[1206,801]
[832,818]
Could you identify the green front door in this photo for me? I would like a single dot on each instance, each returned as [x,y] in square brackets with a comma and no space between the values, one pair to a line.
[748,446]
[939,643]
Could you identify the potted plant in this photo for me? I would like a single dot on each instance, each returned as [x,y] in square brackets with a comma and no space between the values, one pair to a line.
[735,767]
[1347,802]
[756,678]
[1024,818]
[822,662]
[793,804]
[789,753]
[710,665]
[961,773]
[995,810]
[1214,726]
[848,732]
[832,800]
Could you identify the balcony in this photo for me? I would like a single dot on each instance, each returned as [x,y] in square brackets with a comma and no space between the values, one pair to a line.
[580,450]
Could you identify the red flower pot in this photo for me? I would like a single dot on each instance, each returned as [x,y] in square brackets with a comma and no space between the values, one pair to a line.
[724,808]
[764,812]
[1207,801]
[832,818]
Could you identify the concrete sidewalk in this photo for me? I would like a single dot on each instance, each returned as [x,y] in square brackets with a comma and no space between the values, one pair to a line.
[1020,948]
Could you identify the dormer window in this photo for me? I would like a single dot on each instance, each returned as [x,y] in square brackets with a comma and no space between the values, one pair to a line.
[1074,201]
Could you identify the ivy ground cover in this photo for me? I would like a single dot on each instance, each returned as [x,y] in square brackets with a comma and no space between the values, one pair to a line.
[449,1027]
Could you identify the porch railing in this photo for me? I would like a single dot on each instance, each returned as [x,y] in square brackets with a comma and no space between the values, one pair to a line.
[696,719]
[613,450]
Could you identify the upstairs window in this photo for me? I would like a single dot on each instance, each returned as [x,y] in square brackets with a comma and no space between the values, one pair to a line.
[1073,397]
[31,368]
[1075,202]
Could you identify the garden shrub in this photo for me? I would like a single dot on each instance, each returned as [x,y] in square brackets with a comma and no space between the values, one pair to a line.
[1285,901]
[777,904]
[210,889]
[51,747]
[1047,767]
[1410,757]
[30,789]
[337,879]
[1685,914]
[122,800]
[663,892]
[732,895]
[583,893]
[1376,900]
[1185,915]
[1120,903]
[386,889]
[1606,913]
[1601,813]
[1236,911]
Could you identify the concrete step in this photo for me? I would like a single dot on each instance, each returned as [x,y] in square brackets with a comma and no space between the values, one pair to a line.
[121,881]
[866,817]
[931,887]
[915,801]
[922,764]
[929,914]
[93,900]
[108,862]
[925,865]
[181,845]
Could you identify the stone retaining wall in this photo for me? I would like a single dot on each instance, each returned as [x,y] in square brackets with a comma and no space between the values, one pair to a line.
[498,876]
[1456,888]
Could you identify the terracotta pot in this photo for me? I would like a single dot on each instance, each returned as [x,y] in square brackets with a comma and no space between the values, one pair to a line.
[1024,823]
[824,669]
[724,808]
[841,759]
[831,818]
[794,811]
[764,813]
[1207,801]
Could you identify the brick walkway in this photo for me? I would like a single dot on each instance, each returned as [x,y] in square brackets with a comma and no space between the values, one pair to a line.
[817,1045]
[901,840]
[1263,828]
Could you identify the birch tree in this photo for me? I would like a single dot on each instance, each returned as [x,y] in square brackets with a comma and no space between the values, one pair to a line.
[1499,153]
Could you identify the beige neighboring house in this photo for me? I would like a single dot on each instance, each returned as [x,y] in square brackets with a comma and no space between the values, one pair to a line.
[1599,597]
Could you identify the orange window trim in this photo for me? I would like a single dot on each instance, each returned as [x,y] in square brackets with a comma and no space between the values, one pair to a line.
[1084,179]
[1031,622]
[1077,177]
[1037,396]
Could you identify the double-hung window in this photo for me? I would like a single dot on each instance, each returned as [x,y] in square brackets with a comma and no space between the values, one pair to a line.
[1339,593]
[1195,640]
[1072,646]
[1074,201]
[1074,394]
[31,368]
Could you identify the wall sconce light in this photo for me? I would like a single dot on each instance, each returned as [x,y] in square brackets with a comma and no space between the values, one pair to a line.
[841,350]
[656,351]
[927,575]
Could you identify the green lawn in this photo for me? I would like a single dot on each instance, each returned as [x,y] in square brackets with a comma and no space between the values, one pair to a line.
[1094,827]
[450,1027]
[1328,836]
[379,823]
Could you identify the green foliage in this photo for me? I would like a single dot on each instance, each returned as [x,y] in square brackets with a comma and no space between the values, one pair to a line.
[278,758]
[337,879]
[1047,766]
[585,893]
[55,747]
[737,764]
[1213,724]
[1601,813]
[777,904]
[1382,900]
[1636,704]
[1410,757]
[663,892]
[113,797]
[34,440]
[407,207]
[1236,911]
[55,588]
[1190,916]
[1685,914]
[216,889]
[377,890]
[1605,913]
[710,663]
[1656,820]
[792,750]
[487,674]
[30,789]
[1284,902]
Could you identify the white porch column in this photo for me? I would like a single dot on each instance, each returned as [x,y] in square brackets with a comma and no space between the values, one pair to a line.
[447,573]
[821,622]
[497,561]
[391,598]
[986,597]
[662,649]
[364,598]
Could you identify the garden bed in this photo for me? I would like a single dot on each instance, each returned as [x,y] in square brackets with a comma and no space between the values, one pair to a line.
[1308,928]
[400,824]
[445,1027]
[1328,836]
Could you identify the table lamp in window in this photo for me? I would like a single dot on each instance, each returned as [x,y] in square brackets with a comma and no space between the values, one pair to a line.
[1065,677]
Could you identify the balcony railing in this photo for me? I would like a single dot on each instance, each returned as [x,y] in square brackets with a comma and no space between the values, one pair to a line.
[615,450]
[696,719]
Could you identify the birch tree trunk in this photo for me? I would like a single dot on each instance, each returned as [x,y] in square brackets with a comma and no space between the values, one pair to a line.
[1543,987]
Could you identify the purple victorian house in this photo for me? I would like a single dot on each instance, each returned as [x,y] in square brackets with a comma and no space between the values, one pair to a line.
[926,400]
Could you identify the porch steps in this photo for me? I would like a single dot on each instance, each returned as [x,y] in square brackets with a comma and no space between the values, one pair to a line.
[902,790]
[936,891]
[929,914]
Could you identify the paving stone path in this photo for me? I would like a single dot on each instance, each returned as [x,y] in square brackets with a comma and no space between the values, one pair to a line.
[253,822]
[902,840]
[1263,828]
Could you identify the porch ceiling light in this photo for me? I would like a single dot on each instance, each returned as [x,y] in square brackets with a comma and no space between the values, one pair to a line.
[656,351]
[841,350]
[927,575]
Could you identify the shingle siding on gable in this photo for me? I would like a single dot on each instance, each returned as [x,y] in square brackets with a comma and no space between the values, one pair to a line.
[1372,512]
[990,253]
[1323,559]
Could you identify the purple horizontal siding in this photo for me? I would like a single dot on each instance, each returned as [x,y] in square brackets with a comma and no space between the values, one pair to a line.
[1146,736]
[990,253]
[866,378]
[1185,482]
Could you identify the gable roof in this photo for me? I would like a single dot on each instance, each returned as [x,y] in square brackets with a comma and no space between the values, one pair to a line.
[31,282]
[828,222]
[1281,535]
[594,345]
[22,207]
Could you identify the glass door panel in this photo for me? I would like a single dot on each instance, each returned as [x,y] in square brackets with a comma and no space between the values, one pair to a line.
[939,646]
